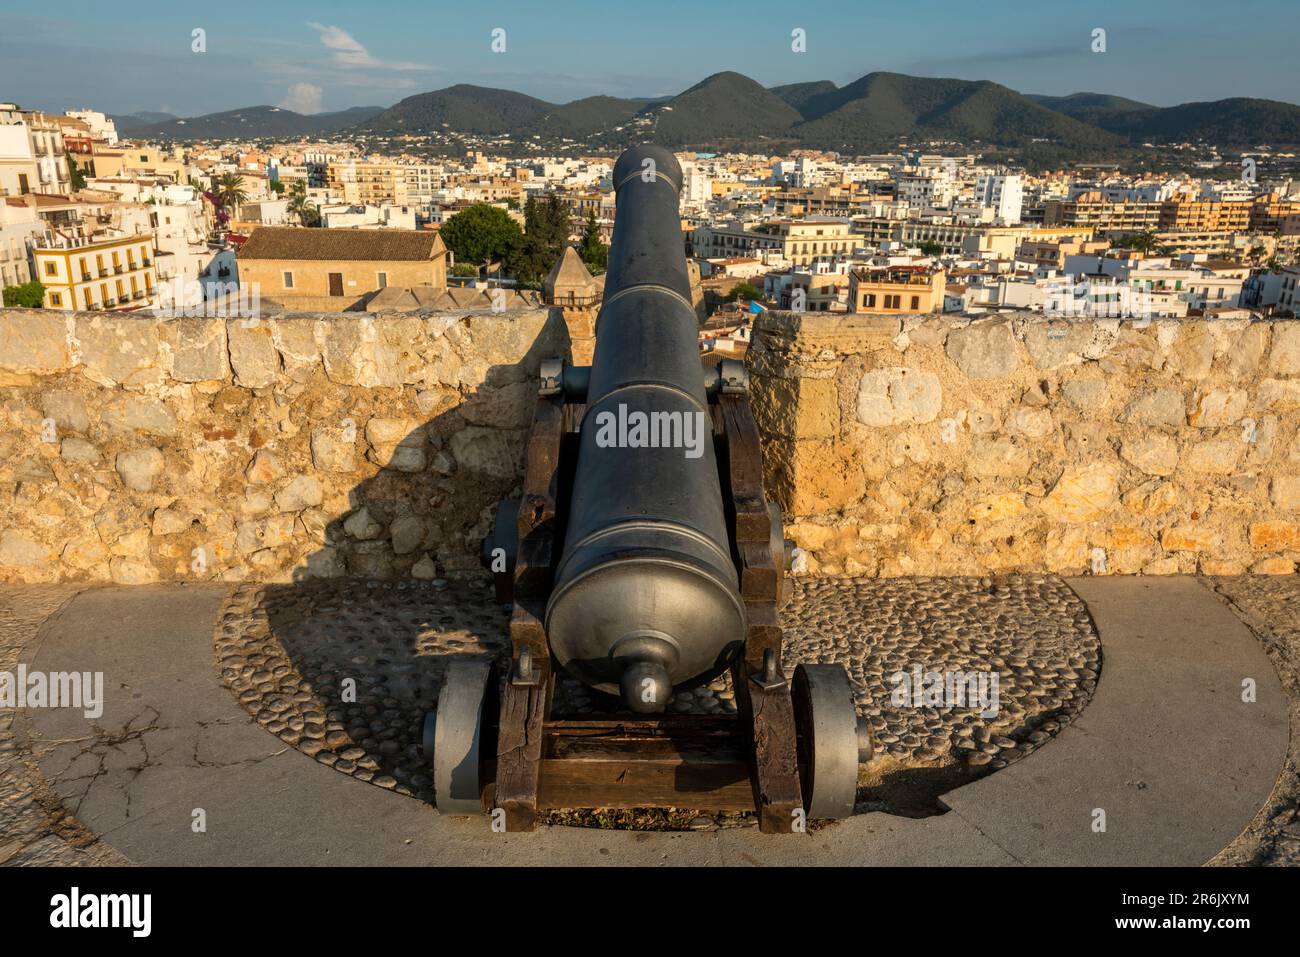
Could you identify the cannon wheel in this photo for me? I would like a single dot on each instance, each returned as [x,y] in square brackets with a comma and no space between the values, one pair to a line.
[460,737]
[827,727]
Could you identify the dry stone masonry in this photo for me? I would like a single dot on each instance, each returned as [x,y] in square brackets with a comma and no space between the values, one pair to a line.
[951,446]
[137,449]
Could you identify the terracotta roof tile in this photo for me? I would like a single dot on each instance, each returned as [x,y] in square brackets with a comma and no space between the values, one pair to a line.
[364,245]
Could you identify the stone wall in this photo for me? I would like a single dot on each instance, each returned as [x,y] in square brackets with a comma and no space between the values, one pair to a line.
[135,449]
[949,446]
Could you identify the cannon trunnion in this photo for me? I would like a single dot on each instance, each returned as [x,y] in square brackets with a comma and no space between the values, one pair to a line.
[643,558]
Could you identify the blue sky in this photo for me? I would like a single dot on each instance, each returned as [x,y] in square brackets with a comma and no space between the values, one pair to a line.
[331,54]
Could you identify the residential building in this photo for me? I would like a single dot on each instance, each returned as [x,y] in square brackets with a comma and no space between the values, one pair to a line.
[1003,194]
[20,227]
[109,273]
[340,264]
[896,289]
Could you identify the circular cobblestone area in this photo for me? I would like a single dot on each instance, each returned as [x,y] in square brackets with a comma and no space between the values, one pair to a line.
[344,670]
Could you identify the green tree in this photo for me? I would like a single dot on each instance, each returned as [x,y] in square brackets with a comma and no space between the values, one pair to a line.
[931,248]
[300,205]
[744,290]
[277,187]
[594,253]
[546,233]
[481,234]
[230,190]
[76,174]
[1143,242]
[30,295]
[467,270]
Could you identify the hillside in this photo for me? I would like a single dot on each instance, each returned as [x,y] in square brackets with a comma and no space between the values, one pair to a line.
[589,116]
[1089,107]
[254,122]
[462,108]
[1233,122]
[883,108]
[799,95]
[722,107]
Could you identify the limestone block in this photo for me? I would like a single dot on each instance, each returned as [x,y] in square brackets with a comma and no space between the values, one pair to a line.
[1155,453]
[1083,493]
[33,340]
[139,468]
[252,353]
[984,350]
[199,353]
[896,396]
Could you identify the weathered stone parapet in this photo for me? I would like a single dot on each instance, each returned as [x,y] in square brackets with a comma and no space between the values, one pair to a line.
[942,445]
[137,449]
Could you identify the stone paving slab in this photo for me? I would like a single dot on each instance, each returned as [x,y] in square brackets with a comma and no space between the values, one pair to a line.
[167,731]
[269,804]
[35,827]
[1270,605]
[1167,748]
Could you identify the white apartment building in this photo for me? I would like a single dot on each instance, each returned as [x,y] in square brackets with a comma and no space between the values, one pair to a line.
[17,162]
[1003,194]
[927,188]
[101,127]
[1288,299]
[42,155]
[1198,286]
[19,228]
[697,186]
[384,216]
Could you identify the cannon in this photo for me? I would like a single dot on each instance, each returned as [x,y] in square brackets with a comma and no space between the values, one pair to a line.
[644,559]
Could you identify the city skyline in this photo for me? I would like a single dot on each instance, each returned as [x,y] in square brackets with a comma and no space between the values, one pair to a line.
[335,57]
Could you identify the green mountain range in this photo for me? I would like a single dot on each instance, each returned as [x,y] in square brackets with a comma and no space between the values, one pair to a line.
[730,110]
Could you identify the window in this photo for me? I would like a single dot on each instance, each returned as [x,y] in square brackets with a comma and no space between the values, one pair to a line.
[383,280]
[288,280]
[50,268]
[916,303]
[869,300]
[56,299]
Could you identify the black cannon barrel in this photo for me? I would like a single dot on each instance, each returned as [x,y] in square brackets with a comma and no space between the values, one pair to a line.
[646,595]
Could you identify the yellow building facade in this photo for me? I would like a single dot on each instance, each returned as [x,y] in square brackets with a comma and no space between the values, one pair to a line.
[110,274]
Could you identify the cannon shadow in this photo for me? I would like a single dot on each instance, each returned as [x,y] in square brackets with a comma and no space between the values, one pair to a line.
[356,644]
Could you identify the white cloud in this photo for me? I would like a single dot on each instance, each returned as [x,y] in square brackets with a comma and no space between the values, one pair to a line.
[302,98]
[347,51]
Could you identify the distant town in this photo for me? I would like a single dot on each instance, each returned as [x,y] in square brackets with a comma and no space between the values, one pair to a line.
[93,219]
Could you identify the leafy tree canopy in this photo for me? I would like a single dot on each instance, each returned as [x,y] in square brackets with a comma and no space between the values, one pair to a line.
[594,253]
[481,234]
[30,295]
[744,290]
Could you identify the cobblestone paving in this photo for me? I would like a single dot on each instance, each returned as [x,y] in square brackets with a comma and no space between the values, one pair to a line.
[344,670]
[1270,606]
[35,827]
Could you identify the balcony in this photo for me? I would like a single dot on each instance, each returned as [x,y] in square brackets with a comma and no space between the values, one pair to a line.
[118,269]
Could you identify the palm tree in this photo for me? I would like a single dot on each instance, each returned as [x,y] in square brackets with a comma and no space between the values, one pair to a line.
[1143,242]
[230,190]
[299,204]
